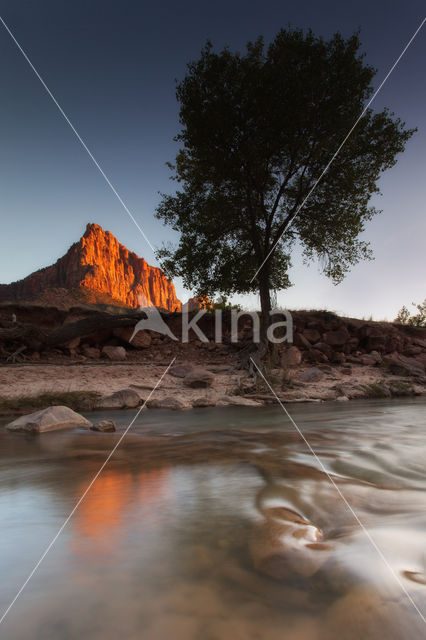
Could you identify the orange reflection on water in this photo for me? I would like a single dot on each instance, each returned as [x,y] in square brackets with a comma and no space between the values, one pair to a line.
[98,521]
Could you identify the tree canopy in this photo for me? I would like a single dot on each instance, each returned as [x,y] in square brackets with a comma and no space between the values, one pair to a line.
[257,131]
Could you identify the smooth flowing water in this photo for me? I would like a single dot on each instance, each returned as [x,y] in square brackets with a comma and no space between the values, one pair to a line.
[207,525]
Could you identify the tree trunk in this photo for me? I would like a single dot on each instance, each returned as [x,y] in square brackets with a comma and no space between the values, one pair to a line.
[265,303]
[36,338]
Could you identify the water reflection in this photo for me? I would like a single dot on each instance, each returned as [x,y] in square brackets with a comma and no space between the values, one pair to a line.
[225,532]
[99,522]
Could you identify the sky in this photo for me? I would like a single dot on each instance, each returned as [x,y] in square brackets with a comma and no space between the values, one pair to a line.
[113,66]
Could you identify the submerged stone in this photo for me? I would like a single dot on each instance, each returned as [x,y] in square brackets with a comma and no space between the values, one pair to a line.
[103,425]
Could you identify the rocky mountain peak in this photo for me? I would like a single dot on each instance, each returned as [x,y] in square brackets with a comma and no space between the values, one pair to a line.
[99,266]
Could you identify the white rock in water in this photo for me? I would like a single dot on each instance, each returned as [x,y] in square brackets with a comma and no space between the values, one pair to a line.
[50,419]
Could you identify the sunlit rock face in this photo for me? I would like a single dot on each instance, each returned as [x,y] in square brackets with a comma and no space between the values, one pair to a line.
[99,264]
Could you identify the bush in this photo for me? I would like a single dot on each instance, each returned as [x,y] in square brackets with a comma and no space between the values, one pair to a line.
[418,320]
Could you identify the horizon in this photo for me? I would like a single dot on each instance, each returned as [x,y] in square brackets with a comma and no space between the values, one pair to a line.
[85,53]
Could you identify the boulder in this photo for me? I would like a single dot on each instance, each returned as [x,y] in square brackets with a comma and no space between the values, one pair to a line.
[375,342]
[237,401]
[336,338]
[377,357]
[311,375]
[204,401]
[352,391]
[124,399]
[351,345]
[325,348]
[141,340]
[50,419]
[114,353]
[181,370]
[372,338]
[419,342]
[103,425]
[198,379]
[315,355]
[300,341]
[292,357]
[73,344]
[312,335]
[422,359]
[338,357]
[403,366]
[412,351]
[90,352]
[170,402]
[393,342]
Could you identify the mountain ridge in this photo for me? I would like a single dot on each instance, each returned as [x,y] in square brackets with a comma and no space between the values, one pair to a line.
[97,267]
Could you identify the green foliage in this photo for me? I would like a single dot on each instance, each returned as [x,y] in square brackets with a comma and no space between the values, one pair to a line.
[257,131]
[417,320]
[223,304]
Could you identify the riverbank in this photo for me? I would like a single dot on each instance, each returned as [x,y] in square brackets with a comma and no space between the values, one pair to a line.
[330,359]
[99,385]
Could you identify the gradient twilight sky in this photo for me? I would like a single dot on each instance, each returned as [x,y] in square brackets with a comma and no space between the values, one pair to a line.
[112,66]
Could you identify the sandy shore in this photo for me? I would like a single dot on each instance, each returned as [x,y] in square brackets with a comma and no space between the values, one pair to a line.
[32,379]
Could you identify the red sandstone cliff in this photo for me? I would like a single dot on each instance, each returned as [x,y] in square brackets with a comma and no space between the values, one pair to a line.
[98,265]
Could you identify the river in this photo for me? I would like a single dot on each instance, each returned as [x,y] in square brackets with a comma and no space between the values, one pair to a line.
[220,523]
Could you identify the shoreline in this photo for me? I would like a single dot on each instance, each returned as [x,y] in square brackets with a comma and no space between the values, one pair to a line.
[94,386]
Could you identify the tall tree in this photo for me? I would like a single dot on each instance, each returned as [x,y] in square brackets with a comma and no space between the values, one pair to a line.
[258,130]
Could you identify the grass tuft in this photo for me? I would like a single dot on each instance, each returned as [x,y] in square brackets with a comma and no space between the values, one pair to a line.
[76,400]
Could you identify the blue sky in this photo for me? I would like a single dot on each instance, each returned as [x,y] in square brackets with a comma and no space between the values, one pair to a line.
[112,66]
